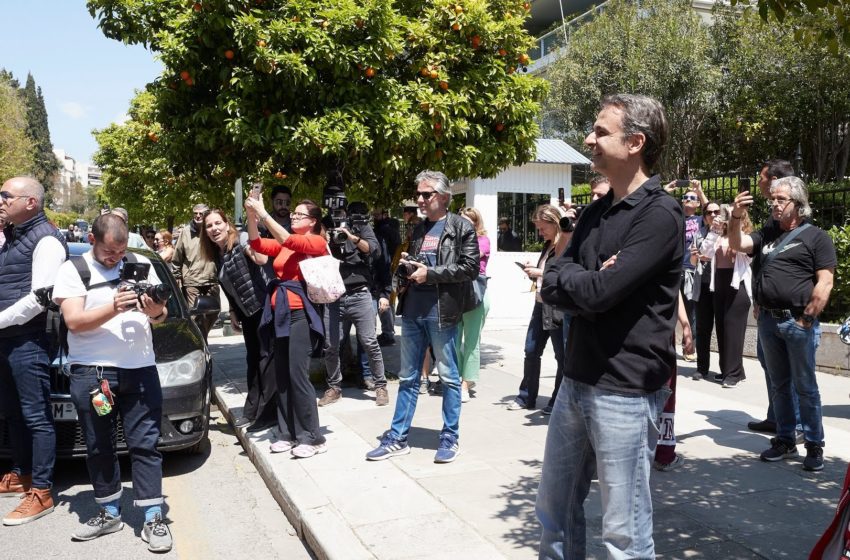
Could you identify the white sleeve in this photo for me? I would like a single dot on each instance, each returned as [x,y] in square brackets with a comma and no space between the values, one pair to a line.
[47,257]
[68,283]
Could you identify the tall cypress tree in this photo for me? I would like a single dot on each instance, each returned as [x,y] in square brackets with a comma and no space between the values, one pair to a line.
[45,165]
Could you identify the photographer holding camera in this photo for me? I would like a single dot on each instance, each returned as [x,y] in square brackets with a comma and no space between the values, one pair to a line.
[113,371]
[353,242]
[438,269]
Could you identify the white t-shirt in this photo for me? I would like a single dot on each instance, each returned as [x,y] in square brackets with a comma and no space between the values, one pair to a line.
[124,341]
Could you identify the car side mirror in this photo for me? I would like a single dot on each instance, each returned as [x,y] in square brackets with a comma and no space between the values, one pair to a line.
[204,305]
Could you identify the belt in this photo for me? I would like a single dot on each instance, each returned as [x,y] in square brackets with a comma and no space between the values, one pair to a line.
[783,313]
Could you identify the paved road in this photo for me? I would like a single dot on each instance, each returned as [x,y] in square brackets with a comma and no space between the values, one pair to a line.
[219,508]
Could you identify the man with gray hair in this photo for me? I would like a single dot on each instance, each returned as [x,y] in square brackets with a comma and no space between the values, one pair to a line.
[435,290]
[793,266]
[197,275]
[619,278]
[29,259]
[134,240]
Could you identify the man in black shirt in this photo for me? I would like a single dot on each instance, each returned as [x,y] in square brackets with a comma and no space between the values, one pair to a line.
[354,245]
[793,268]
[620,350]
[507,239]
[771,170]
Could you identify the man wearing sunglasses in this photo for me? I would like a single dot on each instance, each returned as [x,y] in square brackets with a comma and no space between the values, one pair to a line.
[29,259]
[436,271]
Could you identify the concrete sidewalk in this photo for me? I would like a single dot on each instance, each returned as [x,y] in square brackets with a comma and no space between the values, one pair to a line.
[723,503]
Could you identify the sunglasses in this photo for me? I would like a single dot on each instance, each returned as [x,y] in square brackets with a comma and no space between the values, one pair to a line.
[689,197]
[426,195]
[712,212]
[6,195]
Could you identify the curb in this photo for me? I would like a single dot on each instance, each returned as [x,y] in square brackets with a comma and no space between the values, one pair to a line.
[320,526]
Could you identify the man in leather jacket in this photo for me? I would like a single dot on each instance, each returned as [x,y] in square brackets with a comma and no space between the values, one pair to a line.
[437,273]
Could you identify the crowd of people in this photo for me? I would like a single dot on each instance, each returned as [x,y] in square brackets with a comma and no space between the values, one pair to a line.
[611,283]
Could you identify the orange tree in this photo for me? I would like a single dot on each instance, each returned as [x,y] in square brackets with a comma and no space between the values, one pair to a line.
[374,89]
[138,176]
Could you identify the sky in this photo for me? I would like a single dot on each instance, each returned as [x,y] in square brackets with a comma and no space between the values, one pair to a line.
[87,80]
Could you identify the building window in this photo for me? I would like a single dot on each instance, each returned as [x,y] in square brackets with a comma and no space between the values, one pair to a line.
[518,209]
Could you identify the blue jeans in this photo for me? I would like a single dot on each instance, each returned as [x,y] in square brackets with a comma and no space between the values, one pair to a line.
[789,354]
[25,402]
[594,430]
[536,338]
[416,335]
[138,399]
[771,416]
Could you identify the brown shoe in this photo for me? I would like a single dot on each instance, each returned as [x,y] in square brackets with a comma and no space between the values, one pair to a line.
[13,484]
[36,503]
[382,397]
[331,396]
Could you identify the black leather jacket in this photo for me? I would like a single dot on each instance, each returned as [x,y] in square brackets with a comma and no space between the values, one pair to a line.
[457,266]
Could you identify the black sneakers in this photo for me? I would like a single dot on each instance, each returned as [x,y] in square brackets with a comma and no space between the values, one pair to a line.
[814,457]
[779,450]
[764,426]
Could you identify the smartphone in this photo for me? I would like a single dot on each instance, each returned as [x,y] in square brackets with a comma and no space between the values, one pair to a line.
[683,183]
[256,191]
[743,184]
[519,264]
[560,195]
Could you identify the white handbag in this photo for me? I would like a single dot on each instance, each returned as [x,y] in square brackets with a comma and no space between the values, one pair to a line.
[324,282]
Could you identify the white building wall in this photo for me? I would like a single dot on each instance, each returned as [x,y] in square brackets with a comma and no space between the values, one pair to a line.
[511,301]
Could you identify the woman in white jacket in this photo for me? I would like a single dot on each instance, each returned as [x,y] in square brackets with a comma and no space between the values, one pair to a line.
[730,286]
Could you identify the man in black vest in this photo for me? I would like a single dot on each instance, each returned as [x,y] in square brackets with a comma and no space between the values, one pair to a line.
[29,259]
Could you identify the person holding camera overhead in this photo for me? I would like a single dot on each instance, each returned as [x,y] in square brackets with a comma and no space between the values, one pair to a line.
[113,371]
[291,321]
[353,242]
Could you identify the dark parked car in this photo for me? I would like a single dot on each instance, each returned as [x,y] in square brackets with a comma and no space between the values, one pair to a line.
[185,372]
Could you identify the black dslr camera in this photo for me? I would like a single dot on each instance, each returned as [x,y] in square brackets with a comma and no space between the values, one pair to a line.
[568,224]
[134,277]
[405,270]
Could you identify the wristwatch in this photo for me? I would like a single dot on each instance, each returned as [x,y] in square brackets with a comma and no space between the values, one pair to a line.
[809,319]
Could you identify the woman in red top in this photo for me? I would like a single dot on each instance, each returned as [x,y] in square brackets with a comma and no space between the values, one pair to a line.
[292,321]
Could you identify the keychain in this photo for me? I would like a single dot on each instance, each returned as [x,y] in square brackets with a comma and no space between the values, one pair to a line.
[101,396]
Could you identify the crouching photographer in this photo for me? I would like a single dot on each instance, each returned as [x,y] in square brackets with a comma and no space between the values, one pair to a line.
[108,310]
[353,242]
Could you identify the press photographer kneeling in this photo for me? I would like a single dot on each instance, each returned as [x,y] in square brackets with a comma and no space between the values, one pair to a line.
[113,371]
[353,242]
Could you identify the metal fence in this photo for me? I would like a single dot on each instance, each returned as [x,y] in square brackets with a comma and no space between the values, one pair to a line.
[519,208]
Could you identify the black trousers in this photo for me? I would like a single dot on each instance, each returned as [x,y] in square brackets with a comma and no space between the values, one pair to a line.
[261,402]
[705,324]
[730,309]
[297,412]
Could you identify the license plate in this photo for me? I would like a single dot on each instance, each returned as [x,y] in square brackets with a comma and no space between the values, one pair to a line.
[64,412]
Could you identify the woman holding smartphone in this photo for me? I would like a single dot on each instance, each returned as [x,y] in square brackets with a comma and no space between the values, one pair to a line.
[290,323]
[730,286]
[546,322]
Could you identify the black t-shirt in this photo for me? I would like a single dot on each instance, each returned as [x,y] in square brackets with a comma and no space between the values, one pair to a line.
[788,279]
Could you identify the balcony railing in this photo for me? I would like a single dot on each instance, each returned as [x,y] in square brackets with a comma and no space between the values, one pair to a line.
[549,44]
